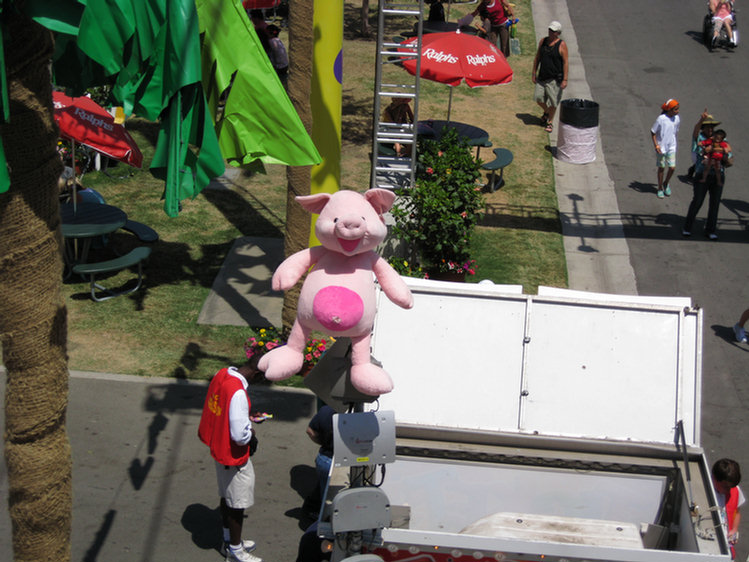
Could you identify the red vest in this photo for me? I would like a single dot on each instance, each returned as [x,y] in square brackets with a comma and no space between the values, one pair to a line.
[214,422]
[732,503]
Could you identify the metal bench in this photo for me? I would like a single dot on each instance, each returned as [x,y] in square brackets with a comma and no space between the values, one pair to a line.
[133,257]
[486,144]
[503,158]
[144,232]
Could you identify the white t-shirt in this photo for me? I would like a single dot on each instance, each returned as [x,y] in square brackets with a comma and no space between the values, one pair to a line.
[665,130]
[240,425]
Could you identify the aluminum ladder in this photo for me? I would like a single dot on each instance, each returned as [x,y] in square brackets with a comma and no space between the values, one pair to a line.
[390,171]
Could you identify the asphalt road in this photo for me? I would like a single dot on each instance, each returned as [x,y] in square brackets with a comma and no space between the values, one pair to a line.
[144,486]
[637,54]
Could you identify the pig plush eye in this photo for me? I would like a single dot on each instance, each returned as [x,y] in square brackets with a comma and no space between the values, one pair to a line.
[335,220]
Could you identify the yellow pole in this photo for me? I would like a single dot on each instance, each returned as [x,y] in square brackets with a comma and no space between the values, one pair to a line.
[326,97]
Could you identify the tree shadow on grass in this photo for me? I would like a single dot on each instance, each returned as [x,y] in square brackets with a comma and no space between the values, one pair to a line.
[241,213]
[170,263]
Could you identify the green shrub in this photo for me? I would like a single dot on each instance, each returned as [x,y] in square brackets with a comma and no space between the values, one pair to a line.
[437,217]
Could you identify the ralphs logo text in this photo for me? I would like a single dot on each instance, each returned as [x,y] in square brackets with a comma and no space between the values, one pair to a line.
[91,118]
[440,56]
[480,60]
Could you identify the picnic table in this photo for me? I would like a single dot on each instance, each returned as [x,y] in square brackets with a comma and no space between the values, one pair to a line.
[476,136]
[86,221]
[89,221]
[433,128]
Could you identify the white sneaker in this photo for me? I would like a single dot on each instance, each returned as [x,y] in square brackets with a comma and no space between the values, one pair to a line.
[247,544]
[740,333]
[241,555]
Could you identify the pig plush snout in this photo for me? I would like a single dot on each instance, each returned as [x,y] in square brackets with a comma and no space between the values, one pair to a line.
[350,227]
[349,231]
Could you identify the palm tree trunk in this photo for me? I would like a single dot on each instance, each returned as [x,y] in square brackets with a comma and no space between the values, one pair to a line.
[33,325]
[298,178]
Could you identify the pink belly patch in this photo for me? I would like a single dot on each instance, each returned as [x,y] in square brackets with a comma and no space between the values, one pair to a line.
[337,308]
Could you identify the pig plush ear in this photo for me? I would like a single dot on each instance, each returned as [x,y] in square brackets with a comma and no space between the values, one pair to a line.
[314,203]
[380,199]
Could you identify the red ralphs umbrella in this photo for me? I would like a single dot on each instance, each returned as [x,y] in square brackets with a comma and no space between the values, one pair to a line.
[259,4]
[452,57]
[84,121]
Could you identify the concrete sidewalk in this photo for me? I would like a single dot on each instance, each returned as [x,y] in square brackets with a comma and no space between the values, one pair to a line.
[594,243]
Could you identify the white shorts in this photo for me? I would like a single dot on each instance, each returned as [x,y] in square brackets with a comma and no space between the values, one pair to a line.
[236,484]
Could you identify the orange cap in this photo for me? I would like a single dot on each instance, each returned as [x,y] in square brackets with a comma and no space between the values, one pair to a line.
[670,104]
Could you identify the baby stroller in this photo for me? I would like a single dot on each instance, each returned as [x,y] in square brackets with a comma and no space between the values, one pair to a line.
[722,40]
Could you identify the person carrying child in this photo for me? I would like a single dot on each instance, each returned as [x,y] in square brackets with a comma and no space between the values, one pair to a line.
[714,152]
[726,477]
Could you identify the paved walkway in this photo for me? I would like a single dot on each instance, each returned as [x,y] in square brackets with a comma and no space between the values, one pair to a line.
[594,243]
[144,486]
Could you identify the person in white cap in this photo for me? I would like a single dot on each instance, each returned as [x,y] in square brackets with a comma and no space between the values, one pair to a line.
[549,73]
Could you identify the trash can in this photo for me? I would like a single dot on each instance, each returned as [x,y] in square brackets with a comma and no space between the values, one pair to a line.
[578,131]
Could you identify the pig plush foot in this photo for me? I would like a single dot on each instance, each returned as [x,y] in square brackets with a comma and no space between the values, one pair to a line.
[371,379]
[281,363]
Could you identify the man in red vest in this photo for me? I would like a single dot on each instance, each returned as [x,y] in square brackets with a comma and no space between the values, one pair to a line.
[226,428]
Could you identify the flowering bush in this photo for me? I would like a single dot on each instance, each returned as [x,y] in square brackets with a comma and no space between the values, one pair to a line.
[437,217]
[266,339]
[262,342]
[314,350]
[82,154]
[406,268]
[468,267]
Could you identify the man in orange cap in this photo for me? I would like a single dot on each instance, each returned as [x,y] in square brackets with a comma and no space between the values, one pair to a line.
[664,132]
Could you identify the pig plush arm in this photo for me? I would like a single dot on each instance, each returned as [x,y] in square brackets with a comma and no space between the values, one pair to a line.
[292,268]
[392,285]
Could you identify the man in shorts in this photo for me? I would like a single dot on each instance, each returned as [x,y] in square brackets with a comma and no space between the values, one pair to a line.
[226,428]
[549,73]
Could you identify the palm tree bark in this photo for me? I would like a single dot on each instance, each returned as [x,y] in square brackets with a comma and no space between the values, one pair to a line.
[298,178]
[33,326]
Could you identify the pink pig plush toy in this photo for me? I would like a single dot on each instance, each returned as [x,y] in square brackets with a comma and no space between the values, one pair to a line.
[338,295]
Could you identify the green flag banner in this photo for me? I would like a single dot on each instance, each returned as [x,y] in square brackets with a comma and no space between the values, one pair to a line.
[161,56]
[258,120]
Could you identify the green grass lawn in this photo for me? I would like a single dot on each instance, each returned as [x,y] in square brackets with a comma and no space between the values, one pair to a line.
[154,332]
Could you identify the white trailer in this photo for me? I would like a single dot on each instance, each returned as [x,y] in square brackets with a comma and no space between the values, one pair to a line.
[558,427]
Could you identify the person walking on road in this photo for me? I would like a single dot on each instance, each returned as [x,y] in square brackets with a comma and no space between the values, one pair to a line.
[664,132]
[712,186]
[738,328]
[549,73]
[226,428]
